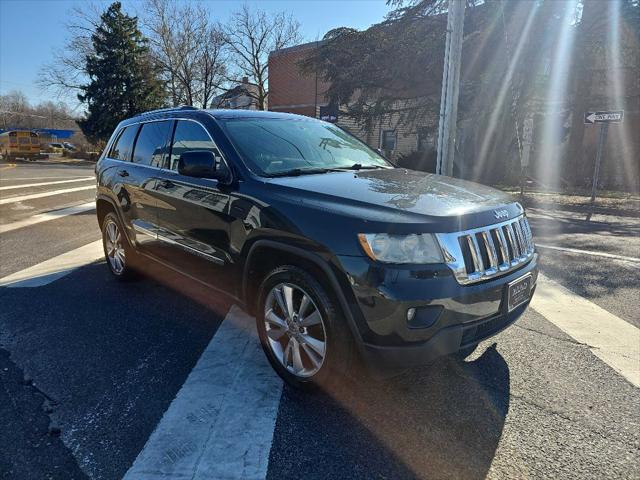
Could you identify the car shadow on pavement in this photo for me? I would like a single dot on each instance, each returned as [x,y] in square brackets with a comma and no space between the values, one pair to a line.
[110,355]
[442,422]
[29,444]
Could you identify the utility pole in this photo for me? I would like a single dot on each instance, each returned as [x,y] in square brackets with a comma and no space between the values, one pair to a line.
[450,87]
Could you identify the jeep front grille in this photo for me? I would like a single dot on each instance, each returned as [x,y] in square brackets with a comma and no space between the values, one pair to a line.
[486,252]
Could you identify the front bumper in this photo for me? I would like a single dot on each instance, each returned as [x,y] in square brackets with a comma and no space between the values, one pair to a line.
[458,316]
[446,341]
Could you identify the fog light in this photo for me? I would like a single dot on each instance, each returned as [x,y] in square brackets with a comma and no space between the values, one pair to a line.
[423,317]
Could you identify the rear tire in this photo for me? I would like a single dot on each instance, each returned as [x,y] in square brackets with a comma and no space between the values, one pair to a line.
[302,330]
[118,254]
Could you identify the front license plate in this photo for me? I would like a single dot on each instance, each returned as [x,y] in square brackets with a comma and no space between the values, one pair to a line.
[519,291]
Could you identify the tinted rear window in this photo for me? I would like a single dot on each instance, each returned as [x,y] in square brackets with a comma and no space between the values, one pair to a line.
[121,150]
[152,145]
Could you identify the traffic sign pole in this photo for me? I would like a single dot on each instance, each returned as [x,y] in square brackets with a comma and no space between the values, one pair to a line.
[604,128]
[604,118]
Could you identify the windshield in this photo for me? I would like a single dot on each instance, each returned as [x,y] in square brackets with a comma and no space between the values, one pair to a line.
[272,145]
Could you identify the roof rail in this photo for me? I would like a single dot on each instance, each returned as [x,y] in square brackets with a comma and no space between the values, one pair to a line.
[170,109]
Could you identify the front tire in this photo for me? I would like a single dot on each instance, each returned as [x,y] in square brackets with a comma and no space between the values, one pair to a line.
[116,249]
[465,352]
[302,330]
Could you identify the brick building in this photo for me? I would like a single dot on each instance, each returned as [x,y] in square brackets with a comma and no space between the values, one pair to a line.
[289,90]
[294,92]
[484,63]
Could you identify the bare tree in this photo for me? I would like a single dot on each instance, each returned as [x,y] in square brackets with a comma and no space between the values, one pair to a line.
[188,49]
[17,112]
[251,36]
[66,73]
[213,66]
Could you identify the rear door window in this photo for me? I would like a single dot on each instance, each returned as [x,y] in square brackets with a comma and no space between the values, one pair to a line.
[123,147]
[152,143]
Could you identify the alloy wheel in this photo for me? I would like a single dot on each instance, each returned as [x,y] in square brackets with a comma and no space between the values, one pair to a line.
[113,247]
[295,330]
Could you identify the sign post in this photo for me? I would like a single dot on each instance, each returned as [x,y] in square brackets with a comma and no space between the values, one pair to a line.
[604,128]
[604,118]
[527,140]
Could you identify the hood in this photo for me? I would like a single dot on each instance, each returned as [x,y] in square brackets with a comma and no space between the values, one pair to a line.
[401,190]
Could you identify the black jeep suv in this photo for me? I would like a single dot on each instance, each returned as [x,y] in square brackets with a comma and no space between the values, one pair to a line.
[339,254]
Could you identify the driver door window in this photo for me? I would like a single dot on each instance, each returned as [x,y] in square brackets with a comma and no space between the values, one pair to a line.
[189,136]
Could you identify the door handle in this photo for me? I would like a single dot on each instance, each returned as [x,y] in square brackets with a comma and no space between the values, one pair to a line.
[123,173]
[167,184]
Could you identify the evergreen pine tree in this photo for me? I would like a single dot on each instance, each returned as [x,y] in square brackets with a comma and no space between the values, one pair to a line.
[122,78]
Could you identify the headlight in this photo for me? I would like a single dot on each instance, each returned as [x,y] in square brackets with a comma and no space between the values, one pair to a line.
[413,248]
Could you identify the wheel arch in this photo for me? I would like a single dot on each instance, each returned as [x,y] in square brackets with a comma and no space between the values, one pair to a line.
[266,255]
[104,205]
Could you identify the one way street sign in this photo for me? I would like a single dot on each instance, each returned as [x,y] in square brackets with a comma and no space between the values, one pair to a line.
[614,116]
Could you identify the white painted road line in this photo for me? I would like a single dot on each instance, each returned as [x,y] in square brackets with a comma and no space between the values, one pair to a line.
[45,217]
[220,425]
[590,252]
[610,338]
[46,177]
[41,184]
[23,198]
[54,268]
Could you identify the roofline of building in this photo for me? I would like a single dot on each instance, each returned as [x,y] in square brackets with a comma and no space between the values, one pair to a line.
[295,48]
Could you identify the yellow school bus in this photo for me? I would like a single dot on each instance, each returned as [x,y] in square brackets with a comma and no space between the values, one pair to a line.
[19,143]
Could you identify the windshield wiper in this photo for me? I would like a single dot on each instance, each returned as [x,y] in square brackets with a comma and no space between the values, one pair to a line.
[294,172]
[359,166]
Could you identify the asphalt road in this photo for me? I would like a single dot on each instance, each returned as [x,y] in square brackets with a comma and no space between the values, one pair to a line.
[95,374]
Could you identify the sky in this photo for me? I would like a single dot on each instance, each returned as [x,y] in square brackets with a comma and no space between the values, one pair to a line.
[31,30]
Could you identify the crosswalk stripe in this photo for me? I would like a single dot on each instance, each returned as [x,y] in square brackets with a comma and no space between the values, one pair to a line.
[221,422]
[54,268]
[590,252]
[610,338]
[33,196]
[45,177]
[46,216]
[41,184]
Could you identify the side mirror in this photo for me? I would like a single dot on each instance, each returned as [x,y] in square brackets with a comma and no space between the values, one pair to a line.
[199,164]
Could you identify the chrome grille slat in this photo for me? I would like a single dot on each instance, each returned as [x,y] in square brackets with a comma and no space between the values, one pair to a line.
[491,249]
[518,226]
[516,239]
[478,264]
[519,238]
[512,241]
[525,234]
[488,251]
[526,228]
[504,251]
